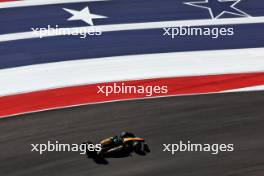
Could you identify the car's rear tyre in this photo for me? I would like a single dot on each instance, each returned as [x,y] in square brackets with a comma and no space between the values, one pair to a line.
[146,148]
[139,148]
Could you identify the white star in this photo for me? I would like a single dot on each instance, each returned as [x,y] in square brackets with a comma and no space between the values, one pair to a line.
[83,15]
[232,9]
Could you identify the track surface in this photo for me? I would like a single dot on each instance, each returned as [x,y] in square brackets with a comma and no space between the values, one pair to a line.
[226,118]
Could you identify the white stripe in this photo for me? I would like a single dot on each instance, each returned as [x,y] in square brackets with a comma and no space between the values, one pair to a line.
[70,73]
[27,3]
[140,26]
[247,89]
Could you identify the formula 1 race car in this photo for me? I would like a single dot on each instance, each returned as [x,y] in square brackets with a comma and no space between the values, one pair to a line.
[118,147]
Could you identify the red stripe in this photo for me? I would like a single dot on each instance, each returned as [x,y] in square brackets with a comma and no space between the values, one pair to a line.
[7,0]
[63,97]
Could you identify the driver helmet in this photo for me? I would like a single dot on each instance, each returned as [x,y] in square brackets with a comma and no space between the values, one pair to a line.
[126,135]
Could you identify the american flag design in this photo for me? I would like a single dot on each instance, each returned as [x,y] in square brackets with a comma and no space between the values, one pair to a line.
[58,71]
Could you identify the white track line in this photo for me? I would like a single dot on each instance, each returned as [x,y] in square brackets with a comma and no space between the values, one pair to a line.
[247,89]
[27,3]
[114,101]
[141,26]
[136,67]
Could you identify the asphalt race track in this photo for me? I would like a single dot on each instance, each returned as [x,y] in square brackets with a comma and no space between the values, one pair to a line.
[221,118]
